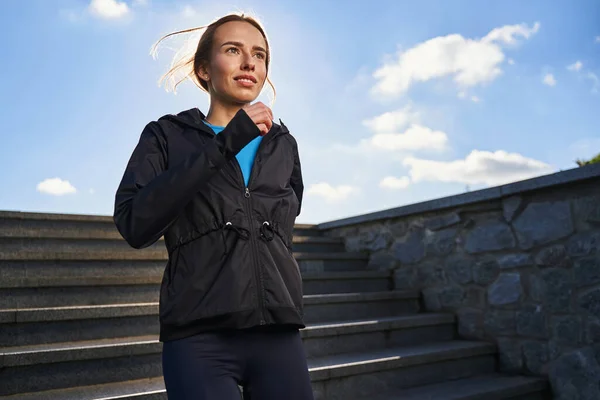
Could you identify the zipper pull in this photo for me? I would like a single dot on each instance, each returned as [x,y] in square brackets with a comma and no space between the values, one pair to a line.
[247,194]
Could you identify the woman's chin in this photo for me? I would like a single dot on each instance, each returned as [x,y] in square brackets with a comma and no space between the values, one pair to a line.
[243,98]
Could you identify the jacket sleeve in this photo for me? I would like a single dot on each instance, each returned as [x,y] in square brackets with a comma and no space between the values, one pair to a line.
[296,178]
[151,196]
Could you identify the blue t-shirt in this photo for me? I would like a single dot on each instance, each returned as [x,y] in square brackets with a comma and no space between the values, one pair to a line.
[246,156]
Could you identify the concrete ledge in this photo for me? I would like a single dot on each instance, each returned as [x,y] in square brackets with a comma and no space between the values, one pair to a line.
[559,178]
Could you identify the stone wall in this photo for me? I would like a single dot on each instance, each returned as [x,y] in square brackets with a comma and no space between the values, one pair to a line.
[518,264]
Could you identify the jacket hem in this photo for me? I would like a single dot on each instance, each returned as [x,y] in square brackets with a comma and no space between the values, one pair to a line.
[277,318]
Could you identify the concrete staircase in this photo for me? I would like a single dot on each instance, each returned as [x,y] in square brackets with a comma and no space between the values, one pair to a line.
[79,320]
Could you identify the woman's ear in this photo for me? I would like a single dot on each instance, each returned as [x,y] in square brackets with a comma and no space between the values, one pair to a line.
[203,73]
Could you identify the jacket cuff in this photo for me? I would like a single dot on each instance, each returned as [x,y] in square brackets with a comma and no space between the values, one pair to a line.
[240,131]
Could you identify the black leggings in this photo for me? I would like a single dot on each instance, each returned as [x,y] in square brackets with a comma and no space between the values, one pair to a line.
[210,366]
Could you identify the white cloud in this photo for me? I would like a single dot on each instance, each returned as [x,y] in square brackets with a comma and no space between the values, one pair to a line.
[511,61]
[576,66]
[56,187]
[387,136]
[331,194]
[92,191]
[475,99]
[391,182]
[108,9]
[140,3]
[392,121]
[469,61]
[597,39]
[549,80]
[416,137]
[479,167]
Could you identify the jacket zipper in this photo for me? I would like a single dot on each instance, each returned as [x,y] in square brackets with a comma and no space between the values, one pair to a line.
[248,206]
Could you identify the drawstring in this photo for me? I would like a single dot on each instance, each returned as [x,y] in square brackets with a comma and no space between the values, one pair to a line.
[266,231]
[241,232]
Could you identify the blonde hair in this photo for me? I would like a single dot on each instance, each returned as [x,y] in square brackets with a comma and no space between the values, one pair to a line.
[189,65]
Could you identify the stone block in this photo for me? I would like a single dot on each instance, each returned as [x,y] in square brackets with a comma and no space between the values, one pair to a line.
[574,376]
[431,274]
[542,223]
[513,261]
[507,289]
[592,330]
[405,278]
[490,236]
[584,244]
[535,355]
[442,221]
[589,302]
[485,271]
[500,322]
[553,288]
[440,243]
[587,210]
[475,297]
[553,256]
[510,207]
[459,269]
[532,322]
[373,239]
[451,296]
[410,250]
[567,330]
[397,228]
[586,271]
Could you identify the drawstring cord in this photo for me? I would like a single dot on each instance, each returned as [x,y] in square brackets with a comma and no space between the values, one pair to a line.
[266,231]
[241,232]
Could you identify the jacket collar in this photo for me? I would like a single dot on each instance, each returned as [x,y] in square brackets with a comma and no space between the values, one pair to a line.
[193,118]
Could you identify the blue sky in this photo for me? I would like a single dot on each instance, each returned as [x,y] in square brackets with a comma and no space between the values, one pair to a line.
[392,102]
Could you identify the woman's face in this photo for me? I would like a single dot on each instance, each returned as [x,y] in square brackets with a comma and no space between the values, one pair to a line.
[237,70]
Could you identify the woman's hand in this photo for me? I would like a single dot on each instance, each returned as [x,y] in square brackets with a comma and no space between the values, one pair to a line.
[261,115]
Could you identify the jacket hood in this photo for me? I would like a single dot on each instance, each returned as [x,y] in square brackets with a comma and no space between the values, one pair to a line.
[193,118]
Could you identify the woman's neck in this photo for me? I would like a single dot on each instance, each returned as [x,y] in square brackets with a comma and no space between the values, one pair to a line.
[220,114]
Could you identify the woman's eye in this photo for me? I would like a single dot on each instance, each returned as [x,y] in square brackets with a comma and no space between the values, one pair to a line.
[232,48]
[261,56]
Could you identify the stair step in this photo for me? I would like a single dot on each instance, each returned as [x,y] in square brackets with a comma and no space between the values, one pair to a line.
[155,252]
[89,226]
[55,291]
[16,263]
[341,375]
[139,389]
[71,241]
[355,376]
[62,324]
[485,387]
[319,340]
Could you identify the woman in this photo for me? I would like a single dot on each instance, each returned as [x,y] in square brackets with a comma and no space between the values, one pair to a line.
[224,190]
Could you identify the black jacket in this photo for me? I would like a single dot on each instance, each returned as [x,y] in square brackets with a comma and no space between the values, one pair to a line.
[230,259]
